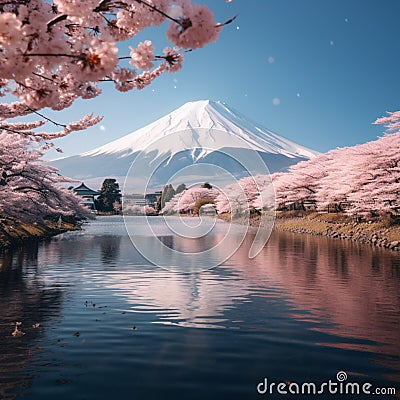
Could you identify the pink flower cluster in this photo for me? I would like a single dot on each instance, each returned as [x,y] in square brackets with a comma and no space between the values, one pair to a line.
[196,29]
[142,57]
[184,202]
[30,189]
[53,52]
[392,122]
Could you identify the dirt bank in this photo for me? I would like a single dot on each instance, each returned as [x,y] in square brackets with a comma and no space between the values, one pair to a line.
[376,232]
[13,233]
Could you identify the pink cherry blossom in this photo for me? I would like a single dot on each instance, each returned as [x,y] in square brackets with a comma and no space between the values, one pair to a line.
[184,202]
[30,189]
[142,57]
[55,52]
[196,28]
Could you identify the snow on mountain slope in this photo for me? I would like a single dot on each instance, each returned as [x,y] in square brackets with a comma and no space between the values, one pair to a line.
[204,114]
[197,132]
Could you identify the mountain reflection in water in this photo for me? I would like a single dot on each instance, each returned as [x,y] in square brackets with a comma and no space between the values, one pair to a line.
[315,293]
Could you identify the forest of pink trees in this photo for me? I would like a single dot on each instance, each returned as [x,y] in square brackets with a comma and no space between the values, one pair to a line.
[54,52]
[358,180]
[363,179]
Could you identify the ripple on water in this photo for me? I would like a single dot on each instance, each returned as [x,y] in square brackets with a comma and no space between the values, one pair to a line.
[302,309]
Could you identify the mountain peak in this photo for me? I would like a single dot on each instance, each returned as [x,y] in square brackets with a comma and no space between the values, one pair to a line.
[205,115]
[193,132]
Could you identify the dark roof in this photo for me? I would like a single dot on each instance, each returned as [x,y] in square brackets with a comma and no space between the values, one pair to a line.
[83,190]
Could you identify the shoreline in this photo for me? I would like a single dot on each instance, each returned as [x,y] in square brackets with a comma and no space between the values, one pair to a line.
[377,233]
[16,233]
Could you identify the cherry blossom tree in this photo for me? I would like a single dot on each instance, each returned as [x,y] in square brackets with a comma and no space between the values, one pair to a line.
[301,183]
[375,180]
[185,201]
[55,52]
[266,199]
[222,203]
[148,210]
[29,189]
[391,122]
[362,179]
[172,206]
[242,196]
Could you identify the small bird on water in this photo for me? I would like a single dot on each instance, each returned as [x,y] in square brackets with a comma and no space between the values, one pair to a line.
[17,332]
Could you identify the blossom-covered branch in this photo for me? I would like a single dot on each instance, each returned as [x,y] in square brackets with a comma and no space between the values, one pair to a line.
[55,52]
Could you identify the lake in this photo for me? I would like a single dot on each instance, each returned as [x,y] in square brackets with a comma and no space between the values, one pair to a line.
[112,324]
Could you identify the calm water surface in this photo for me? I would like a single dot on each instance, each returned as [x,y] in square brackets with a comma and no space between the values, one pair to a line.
[302,310]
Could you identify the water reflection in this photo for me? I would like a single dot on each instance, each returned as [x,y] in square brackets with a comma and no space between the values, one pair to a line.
[340,294]
[24,297]
[348,290]
[109,246]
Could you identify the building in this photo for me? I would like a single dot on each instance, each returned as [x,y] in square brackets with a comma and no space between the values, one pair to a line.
[149,199]
[88,196]
[152,198]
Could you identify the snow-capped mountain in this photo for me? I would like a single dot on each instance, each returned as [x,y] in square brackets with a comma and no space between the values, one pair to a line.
[199,132]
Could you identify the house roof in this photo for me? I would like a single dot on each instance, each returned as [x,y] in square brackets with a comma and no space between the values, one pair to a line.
[83,190]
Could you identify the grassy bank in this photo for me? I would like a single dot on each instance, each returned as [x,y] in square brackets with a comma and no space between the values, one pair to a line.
[376,232]
[13,233]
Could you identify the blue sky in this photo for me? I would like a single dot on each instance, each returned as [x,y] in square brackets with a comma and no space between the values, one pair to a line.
[331,66]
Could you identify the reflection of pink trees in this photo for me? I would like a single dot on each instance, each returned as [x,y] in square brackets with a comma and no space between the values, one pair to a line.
[355,285]
[29,299]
